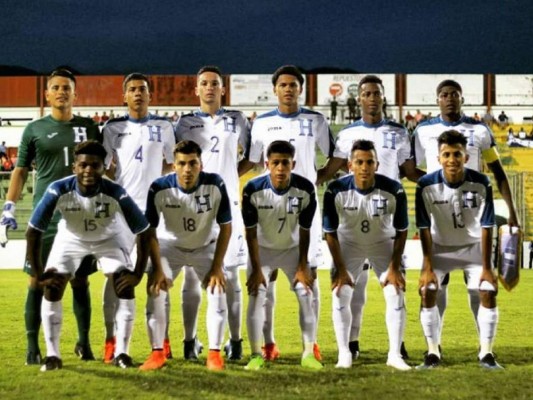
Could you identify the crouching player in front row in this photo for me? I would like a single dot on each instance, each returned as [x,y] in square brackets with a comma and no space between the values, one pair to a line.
[365,218]
[195,208]
[93,211]
[455,216]
[278,209]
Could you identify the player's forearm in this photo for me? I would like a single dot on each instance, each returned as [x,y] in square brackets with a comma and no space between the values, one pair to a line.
[167,168]
[303,247]
[253,248]
[503,187]
[427,243]
[221,246]
[333,164]
[245,166]
[33,251]
[486,248]
[335,249]
[18,179]
[144,250]
[398,249]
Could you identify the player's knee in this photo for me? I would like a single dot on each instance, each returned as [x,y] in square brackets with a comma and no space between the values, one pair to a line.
[487,295]
[54,286]
[428,295]
[343,295]
[127,291]
[274,275]
[80,281]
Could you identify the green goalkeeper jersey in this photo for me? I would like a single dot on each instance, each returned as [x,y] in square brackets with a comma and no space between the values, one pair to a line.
[50,143]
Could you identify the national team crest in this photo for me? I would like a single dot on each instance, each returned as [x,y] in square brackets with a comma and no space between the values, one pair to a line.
[379,206]
[80,134]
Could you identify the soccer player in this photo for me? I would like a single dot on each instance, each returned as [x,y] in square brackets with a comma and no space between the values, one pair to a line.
[223,135]
[278,209]
[481,148]
[49,142]
[195,208]
[91,209]
[139,149]
[365,218]
[393,148]
[306,130]
[455,216]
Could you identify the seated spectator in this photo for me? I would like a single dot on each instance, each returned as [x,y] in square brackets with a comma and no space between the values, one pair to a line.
[510,134]
[522,133]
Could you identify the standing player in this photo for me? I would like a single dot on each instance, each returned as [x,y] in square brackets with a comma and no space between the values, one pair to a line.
[278,210]
[365,218]
[49,142]
[393,149]
[455,216]
[222,134]
[481,148]
[92,213]
[305,130]
[196,212]
[139,149]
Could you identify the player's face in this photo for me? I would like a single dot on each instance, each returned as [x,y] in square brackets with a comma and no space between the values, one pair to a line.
[371,99]
[280,167]
[287,90]
[363,165]
[60,93]
[452,158]
[89,170]
[187,167]
[450,101]
[209,88]
[137,96]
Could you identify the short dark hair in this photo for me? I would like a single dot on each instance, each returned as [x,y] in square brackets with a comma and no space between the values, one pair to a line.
[370,79]
[63,72]
[187,147]
[135,76]
[449,82]
[288,70]
[210,68]
[362,144]
[281,147]
[91,147]
[452,137]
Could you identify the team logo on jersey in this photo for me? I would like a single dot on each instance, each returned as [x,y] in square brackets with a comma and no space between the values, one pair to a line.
[80,134]
[155,133]
[203,204]
[306,127]
[379,206]
[389,139]
[469,135]
[229,124]
[294,205]
[470,199]
[101,210]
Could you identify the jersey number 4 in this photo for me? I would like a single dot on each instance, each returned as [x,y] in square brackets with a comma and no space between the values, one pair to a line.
[139,154]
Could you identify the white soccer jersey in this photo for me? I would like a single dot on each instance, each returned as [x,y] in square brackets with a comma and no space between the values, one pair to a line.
[454,213]
[138,147]
[479,136]
[365,217]
[305,129]
[390,139]
[191,217]
[89,219]
[278,214]
[220,138]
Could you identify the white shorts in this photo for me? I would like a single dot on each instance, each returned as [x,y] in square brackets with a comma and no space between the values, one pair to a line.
[270,259]
[468,258]
[237,252]
[113,254]
[377,254]
[173,259]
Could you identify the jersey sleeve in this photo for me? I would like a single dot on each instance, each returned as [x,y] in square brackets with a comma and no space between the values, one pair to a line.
[132,214]
[423,220]
[44,211]
[108,143]
[404,151]
[256,144]
[330,219]
[325,138]
[224,210]
[249,211]
[305,218]
[401,217]
[245,136]
[26,150]
[169,143]
[488,218]
[342,146]
[418,149]
[152,213]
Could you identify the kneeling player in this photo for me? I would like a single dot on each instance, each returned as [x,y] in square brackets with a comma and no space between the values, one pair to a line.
[278,209]
[195,208]
[91,209]
[365,218]
[455,216]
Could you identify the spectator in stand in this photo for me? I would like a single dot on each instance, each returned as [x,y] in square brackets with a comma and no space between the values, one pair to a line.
[410,122]
[351,103]
[488,118]
[111,114]
[503,120]
[175,117]
[3,149]
[333,111]
[477,117]
[96,117]
[522,133]
[419,116]
[104,118]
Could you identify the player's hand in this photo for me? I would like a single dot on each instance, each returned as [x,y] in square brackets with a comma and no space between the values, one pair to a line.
[158,282]
[339,279]
[428,280]
[489,277]
[254,281]
[213,279]
[303,275]
[126,280]
[52,280]
[395,277]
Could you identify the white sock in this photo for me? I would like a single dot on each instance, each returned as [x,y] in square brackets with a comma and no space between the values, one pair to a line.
[270,304]
[255,319]
[234,298]
[216,317]
[342,316]
[109,304]
[316,304]
[125,317]
[156,320]
[307,317]
[430,320]
[52,319]
[167,315]
[487,319]
[442,303]
[394,318]
[191,298]
[357,305]
[474,302]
